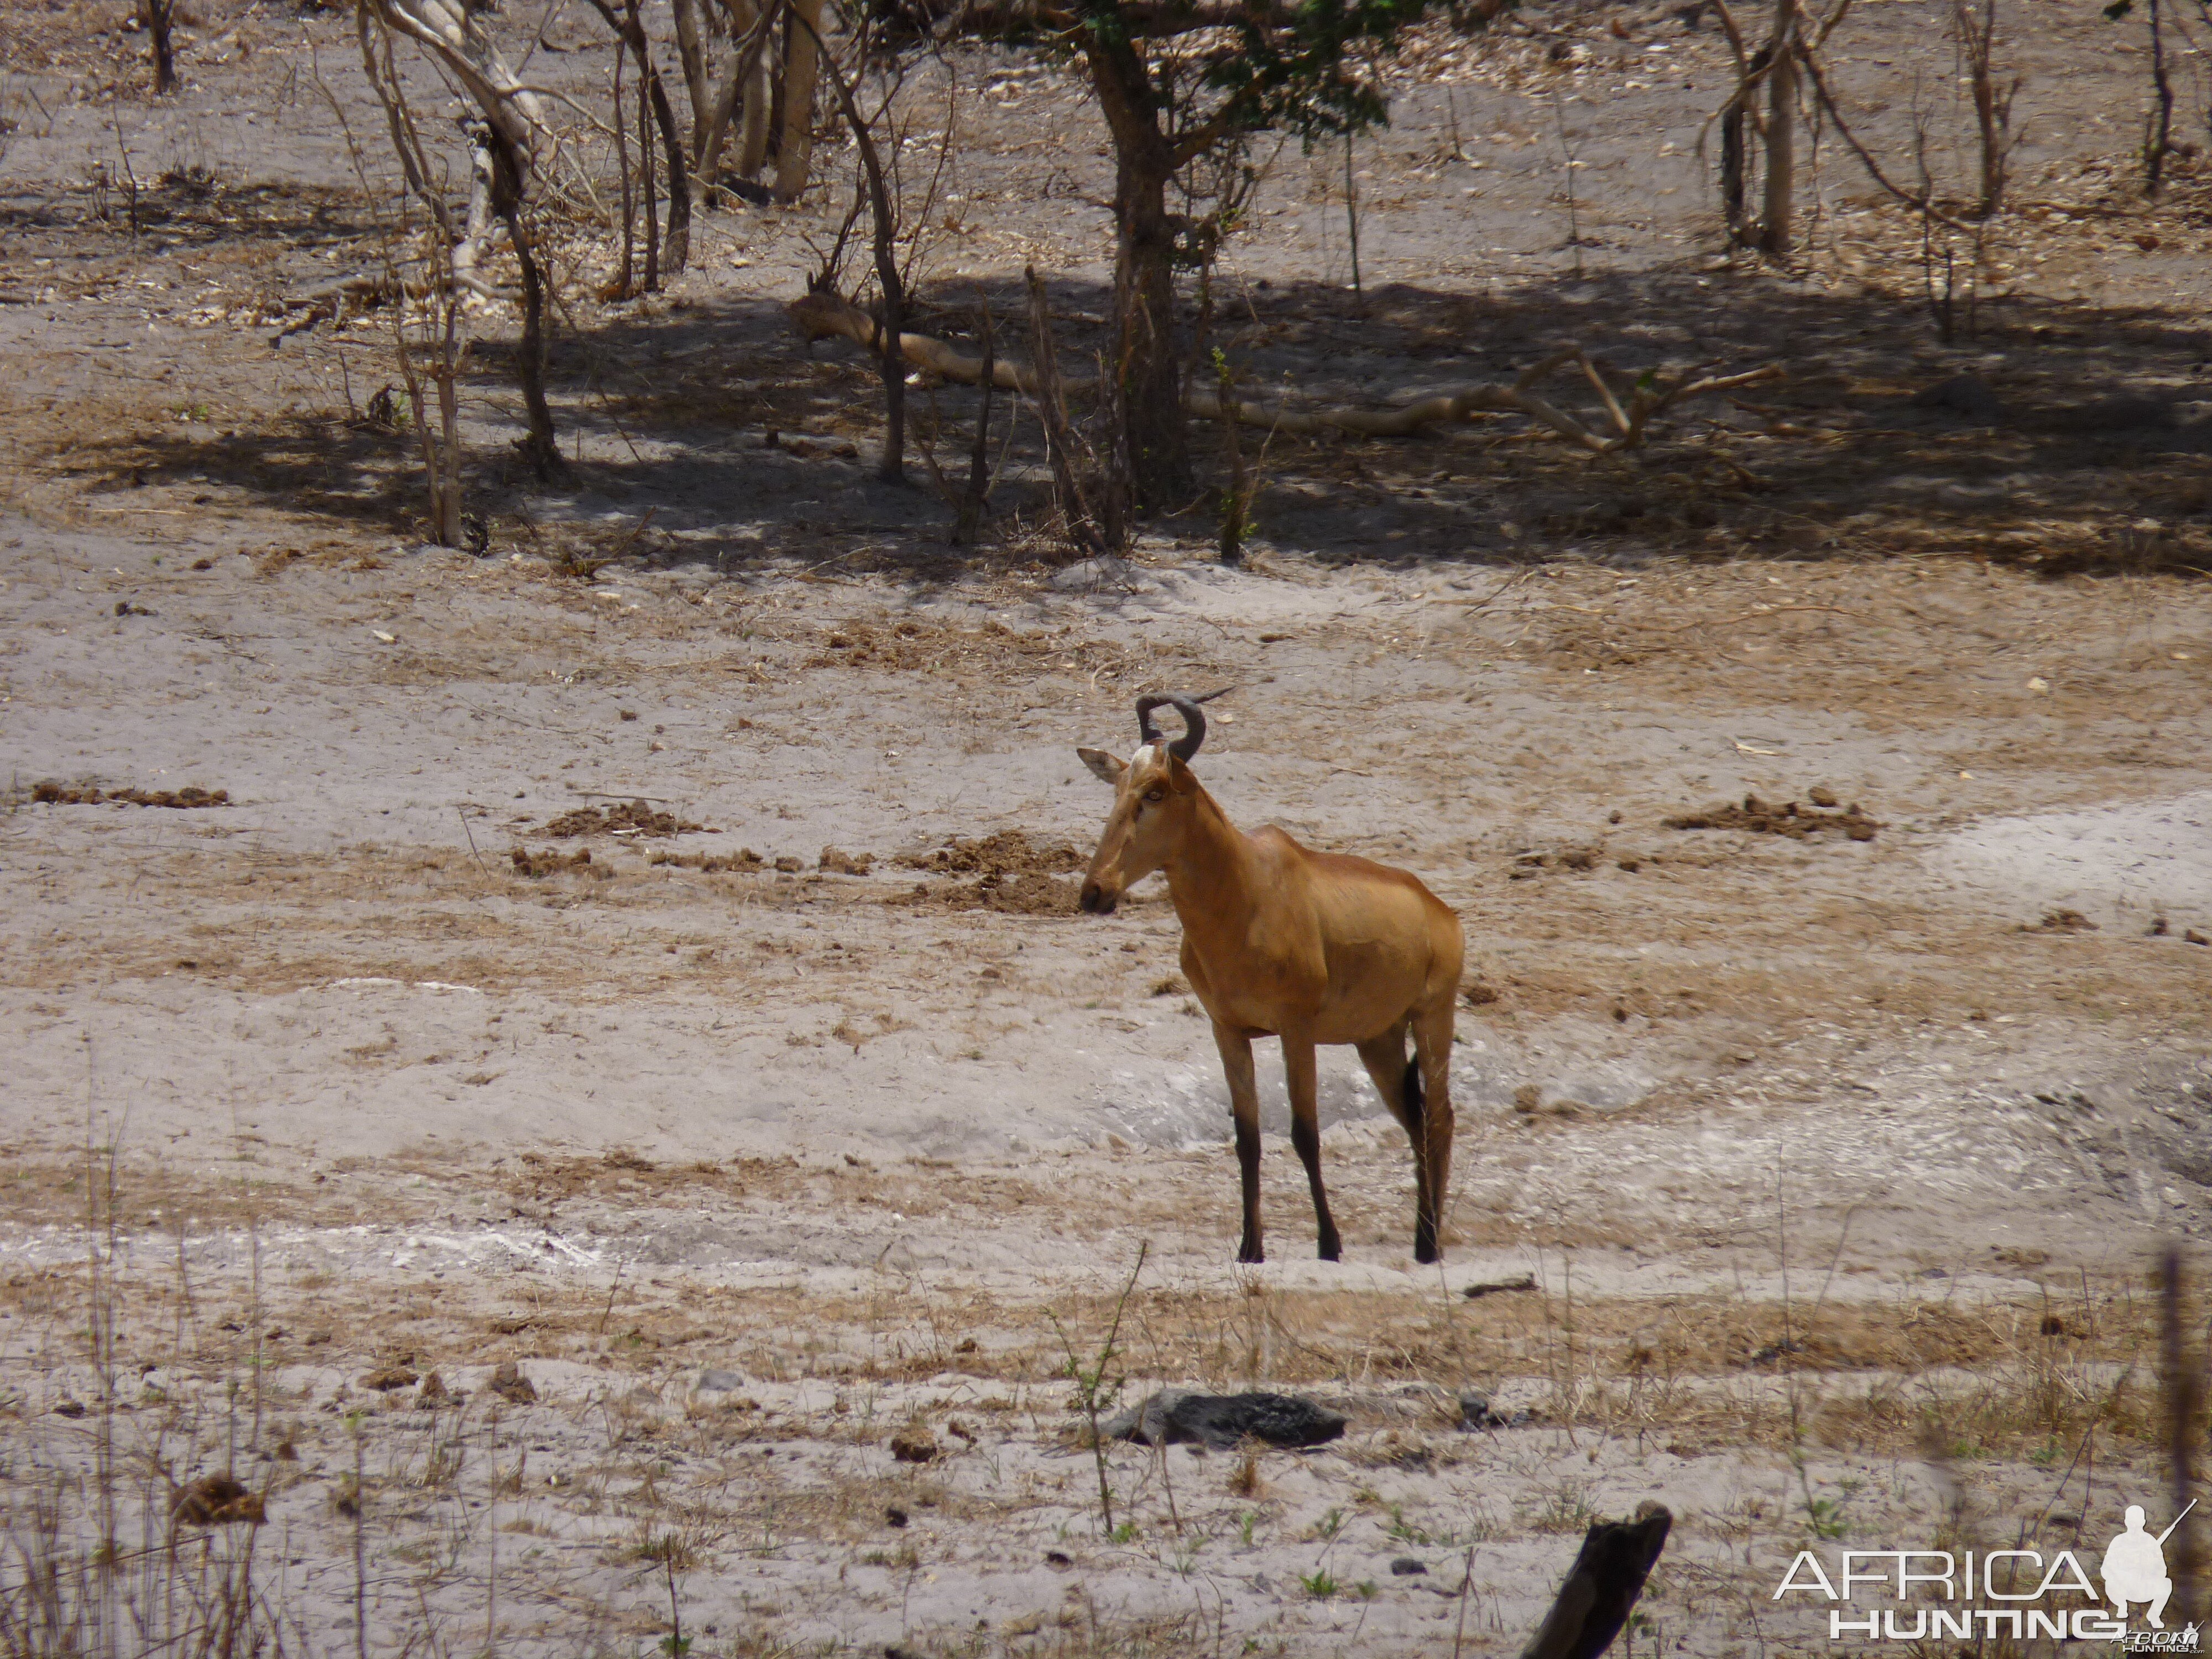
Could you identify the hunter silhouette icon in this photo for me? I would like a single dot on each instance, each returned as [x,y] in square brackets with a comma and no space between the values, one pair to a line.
[2135,1567]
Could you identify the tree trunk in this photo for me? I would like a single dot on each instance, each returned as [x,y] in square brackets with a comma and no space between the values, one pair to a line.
[977,494]
[745,85]
[1775,233]
[645,180]
[1052,415]
[1147,373]
[691,48]
[541,447]
[631,31]
[1975,21]
[625,286]
[801,67]
[752,125]
[157,15]
[1736,152]
[1147,368]
[2157,129]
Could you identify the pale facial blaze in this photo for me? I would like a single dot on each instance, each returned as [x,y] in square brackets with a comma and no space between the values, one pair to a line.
[1138,835]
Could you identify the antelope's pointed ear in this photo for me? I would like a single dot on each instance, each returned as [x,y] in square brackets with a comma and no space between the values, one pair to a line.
[1180,778]
[1106,769]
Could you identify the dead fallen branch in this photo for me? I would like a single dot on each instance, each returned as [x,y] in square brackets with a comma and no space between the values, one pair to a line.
[820,315]
[1626,418]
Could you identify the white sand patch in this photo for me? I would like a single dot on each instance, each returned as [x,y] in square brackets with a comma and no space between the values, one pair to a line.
[2116,865]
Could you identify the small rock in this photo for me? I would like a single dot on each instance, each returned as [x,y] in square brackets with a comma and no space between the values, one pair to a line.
[894,1516]
[1058,1558]
[1224,1421]
[2194,937]
[1823,796]
[1475,1412]
[70,1408]
[1499,1286]
[915,1445]
[508,1383]
[1406,1567]
[1090,576]
[712,1381]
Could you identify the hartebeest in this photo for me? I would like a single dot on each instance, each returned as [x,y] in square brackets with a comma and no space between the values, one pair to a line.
[1280,941]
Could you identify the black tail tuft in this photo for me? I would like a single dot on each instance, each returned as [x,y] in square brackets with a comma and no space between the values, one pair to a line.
[1415,1100]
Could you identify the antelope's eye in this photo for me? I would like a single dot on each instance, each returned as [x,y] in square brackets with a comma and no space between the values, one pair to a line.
[1156,793]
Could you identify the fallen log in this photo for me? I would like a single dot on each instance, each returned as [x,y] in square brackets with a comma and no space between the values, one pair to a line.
[821,315]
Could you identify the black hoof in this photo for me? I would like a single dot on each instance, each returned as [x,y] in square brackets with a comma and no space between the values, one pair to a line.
[1330,1250]
[1251,1254]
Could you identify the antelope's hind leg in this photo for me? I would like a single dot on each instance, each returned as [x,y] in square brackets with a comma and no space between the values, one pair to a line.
[1398,1082]
[1432,1049]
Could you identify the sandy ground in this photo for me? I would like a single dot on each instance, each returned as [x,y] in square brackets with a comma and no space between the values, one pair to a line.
[1813,1179]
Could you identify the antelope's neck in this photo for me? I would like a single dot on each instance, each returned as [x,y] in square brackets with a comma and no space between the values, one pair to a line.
[1211,879]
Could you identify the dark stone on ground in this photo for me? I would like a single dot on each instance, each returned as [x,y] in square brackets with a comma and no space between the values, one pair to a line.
[1966,395]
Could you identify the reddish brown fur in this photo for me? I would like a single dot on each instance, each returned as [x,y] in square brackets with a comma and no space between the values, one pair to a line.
[1310,947]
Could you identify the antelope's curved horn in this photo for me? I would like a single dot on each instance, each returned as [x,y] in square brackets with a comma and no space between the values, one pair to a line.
[1185,747]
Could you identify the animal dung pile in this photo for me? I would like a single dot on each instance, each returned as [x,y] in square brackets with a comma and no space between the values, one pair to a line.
[61,794]
[636,818]
[1014,875]
[1007,852]
[744,861]
[1765,818]
[1029,895]
[552,862]
[217,1500]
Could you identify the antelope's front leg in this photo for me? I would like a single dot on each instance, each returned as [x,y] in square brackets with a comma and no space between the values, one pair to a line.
[1305,1137]
[1244,1106]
